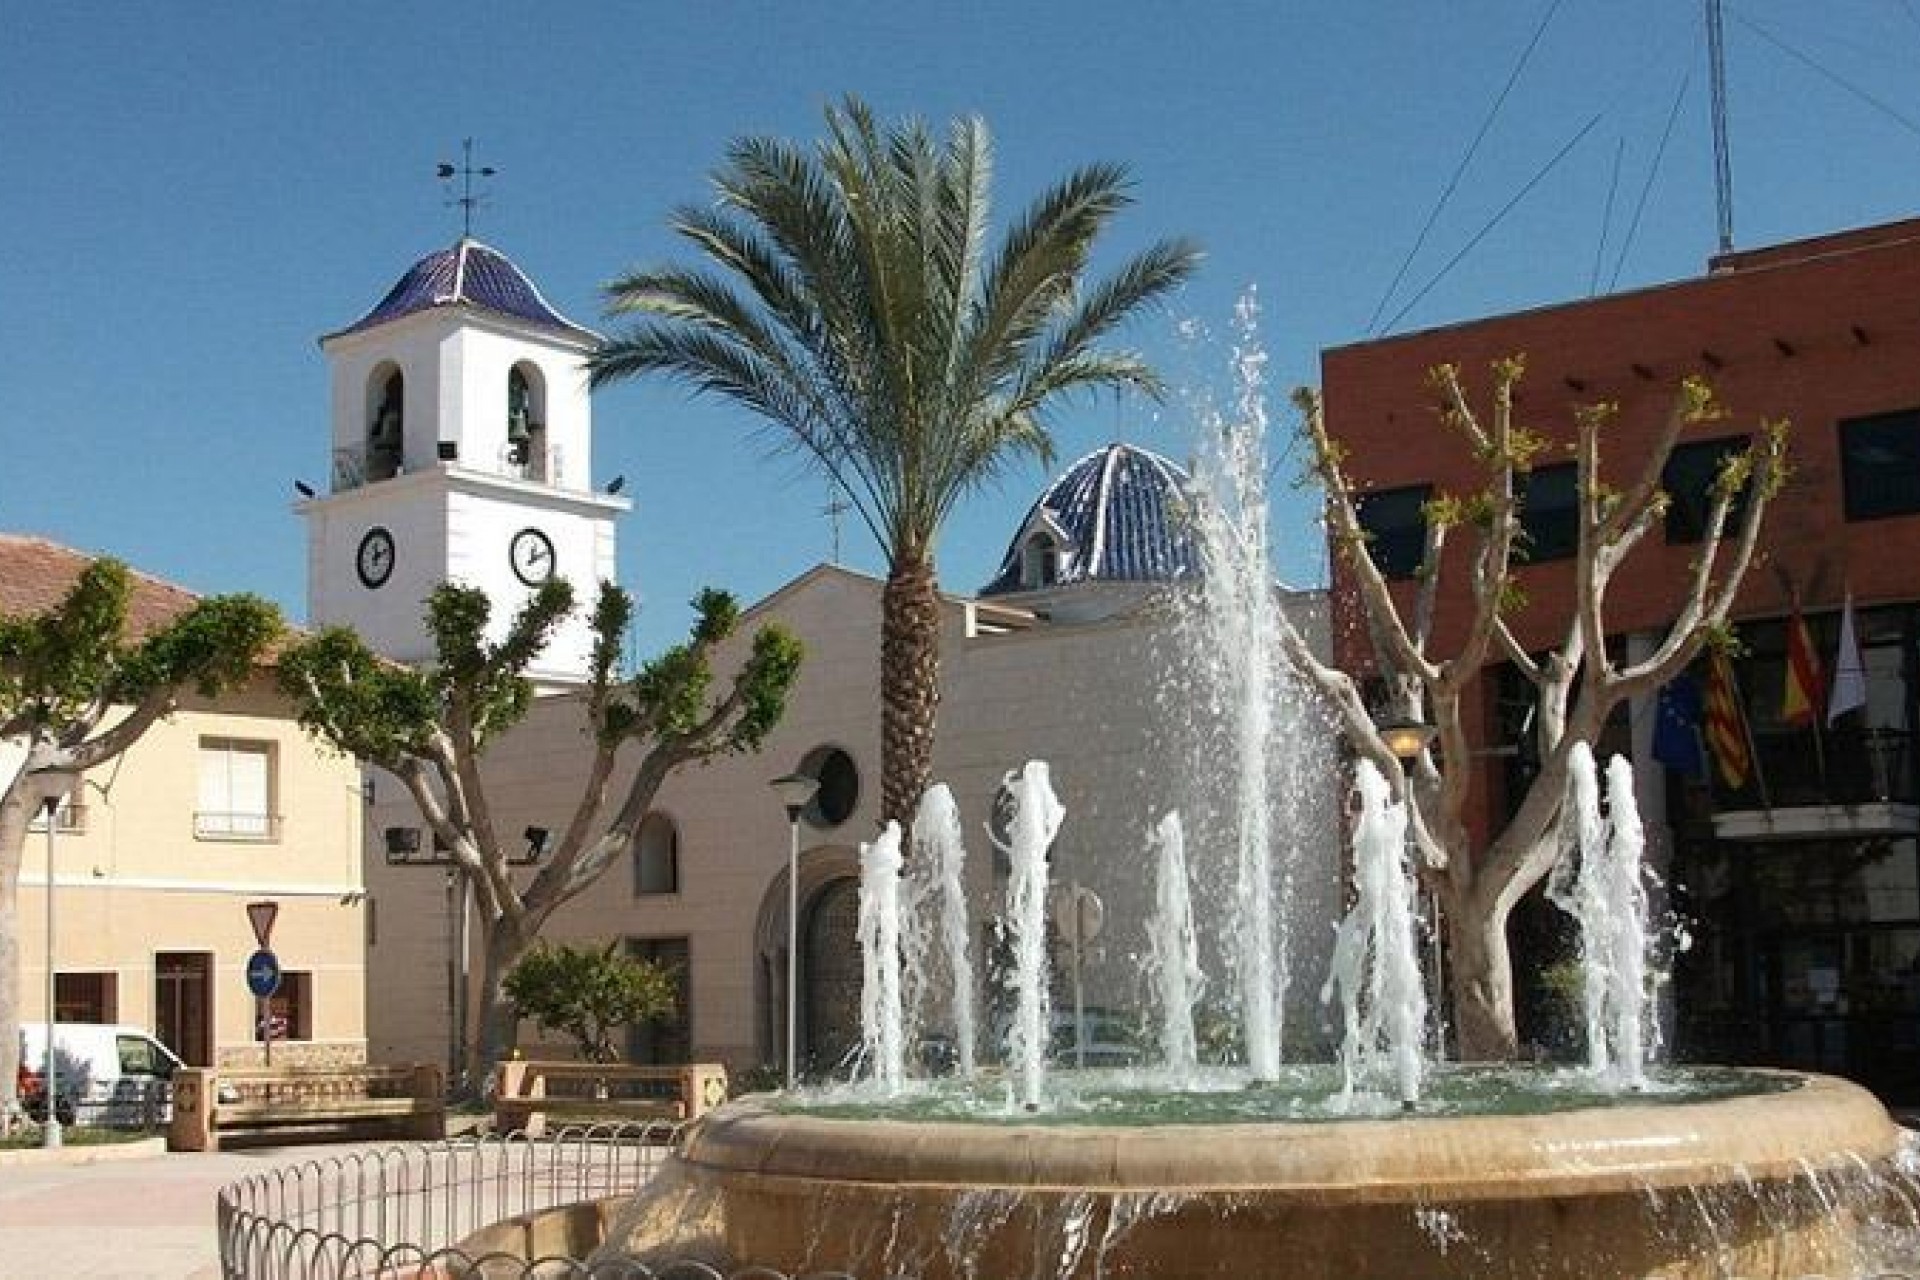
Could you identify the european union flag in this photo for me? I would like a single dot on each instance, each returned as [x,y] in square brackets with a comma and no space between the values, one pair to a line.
[1676,727]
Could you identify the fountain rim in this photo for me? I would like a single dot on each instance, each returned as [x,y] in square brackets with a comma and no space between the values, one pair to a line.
[1823,1122]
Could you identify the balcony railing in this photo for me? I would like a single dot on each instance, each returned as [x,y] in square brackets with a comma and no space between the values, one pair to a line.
[257,828]
[1807,767]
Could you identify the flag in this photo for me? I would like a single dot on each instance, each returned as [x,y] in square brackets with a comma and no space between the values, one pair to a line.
[1801,695]
[1676,727]
[1726,723]
[1849,672]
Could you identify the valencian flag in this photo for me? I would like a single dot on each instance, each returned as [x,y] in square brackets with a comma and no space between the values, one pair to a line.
[1804,691]
[1726,723]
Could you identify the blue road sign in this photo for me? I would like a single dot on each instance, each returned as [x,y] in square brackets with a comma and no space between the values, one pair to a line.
[263,973]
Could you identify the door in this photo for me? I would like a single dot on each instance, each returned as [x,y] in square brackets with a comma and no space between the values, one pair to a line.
[830,977]
[183,1004]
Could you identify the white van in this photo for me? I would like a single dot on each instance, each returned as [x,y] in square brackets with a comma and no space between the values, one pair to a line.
[108,1074]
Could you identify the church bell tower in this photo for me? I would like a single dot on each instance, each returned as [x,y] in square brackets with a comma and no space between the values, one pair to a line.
[461,451]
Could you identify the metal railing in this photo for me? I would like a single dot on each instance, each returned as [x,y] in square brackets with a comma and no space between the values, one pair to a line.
[247,827]
[401,1212]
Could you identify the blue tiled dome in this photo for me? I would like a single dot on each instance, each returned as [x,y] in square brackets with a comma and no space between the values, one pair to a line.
[1119,513]
[468,274]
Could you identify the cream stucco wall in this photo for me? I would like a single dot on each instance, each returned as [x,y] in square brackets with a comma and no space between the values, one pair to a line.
[1082,696]
[135,879]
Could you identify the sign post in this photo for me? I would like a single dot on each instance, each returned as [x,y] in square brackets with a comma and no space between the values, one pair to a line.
[263,970]
[263,979]
[1079,913]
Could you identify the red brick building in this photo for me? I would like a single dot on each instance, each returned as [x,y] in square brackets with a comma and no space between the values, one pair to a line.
[1803,884]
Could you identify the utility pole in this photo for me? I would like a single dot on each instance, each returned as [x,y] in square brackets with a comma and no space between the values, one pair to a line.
[1722,157]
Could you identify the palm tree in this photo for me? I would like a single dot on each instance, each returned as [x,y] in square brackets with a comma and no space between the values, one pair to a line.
[850,298]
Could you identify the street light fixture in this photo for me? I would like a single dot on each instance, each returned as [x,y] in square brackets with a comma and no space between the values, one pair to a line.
[796,791]
[1406,738]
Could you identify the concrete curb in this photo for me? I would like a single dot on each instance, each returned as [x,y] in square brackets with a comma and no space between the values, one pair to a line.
[101,1153]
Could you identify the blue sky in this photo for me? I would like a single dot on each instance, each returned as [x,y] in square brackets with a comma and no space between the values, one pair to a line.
[192,194]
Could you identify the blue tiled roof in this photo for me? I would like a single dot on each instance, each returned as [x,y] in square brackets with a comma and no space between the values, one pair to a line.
[468,274]
[1121,511]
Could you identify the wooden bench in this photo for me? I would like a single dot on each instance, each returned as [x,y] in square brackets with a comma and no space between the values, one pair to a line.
[407,1101]
[530,1095]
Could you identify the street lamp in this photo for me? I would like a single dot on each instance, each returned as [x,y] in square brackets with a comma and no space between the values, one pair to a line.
[1406,738]
[796,793]
[50,1136]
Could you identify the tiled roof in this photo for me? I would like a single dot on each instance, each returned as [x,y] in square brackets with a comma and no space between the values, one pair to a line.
[35,576]
[468,274]
[1121,512]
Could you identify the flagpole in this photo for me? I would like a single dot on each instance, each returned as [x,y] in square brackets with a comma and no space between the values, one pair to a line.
[1746,730]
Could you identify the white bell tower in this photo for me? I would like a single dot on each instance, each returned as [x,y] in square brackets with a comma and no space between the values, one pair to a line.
[462,451]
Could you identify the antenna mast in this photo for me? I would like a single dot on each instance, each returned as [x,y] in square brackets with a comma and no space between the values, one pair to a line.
[1722,158]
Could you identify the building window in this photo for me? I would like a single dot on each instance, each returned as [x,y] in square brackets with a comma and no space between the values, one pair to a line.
[1395,522]
[289,1011]
[1880,465]
[86,997]
[1550,512]
[1039,561]
[236,791]
[839,792]
[70,817]
[1688,479]
[656,856]
[665,1041]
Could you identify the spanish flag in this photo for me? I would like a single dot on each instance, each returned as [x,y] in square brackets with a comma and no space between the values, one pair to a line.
[1726,723]
[1804,692]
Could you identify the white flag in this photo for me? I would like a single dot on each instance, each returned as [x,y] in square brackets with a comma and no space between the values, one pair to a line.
[1849,673]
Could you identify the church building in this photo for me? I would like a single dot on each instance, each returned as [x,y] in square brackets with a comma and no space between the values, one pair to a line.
[462,446]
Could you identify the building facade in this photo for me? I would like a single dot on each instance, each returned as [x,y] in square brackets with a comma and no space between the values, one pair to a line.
[156,855]
[1800,884]
[1066,661]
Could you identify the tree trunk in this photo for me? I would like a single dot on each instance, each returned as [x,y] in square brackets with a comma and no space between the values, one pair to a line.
[909,686]
[493,1021]
[1480,975]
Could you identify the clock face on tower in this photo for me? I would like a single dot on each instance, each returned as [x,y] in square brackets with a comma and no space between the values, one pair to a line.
[531,553]
[374,560]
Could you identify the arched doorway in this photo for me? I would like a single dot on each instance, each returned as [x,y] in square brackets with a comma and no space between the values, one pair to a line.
[830,977]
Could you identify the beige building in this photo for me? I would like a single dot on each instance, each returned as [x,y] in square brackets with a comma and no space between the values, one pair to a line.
[157,854]
[1065,657]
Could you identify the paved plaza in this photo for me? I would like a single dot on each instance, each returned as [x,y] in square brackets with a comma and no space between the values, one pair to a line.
[122,1217]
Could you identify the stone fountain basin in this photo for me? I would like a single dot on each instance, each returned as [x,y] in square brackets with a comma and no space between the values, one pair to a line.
[1753,1185]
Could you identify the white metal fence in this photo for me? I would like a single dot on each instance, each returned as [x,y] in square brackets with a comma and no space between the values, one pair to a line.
[400,1212]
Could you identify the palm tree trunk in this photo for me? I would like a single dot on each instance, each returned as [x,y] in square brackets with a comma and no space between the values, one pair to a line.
[909,685]
[14,816]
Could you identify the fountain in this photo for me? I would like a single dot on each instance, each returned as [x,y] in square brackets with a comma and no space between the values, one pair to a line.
[1204,1167]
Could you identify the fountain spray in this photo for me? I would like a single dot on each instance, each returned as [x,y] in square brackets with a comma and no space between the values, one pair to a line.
[1173,955]
[881,1018]
[1036,814]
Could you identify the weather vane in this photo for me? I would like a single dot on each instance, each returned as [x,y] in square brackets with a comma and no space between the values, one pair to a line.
[467,200]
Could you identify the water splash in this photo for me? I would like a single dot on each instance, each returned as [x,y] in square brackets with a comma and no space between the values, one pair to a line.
[1173,953]
[883,1036]
[1239,653]
[1376,966]
[1598,881]
[935,952]
[1034,818]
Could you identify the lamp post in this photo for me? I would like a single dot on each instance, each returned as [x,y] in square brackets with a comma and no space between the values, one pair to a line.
[796,791]
[50,1136]
[1407,738]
